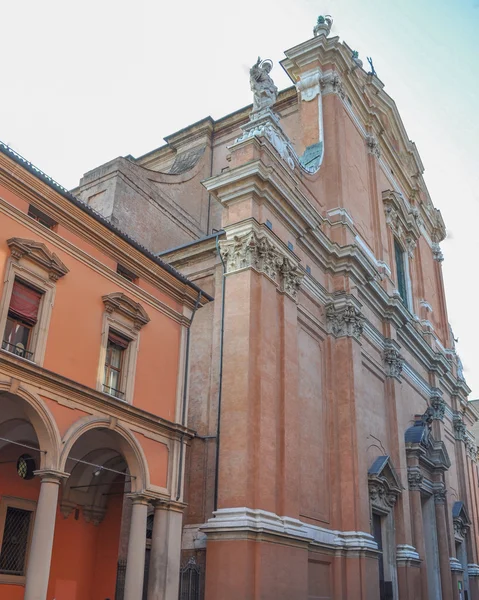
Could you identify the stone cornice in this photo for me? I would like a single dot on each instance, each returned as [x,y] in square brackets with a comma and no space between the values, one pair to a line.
[134,311]
[231,523]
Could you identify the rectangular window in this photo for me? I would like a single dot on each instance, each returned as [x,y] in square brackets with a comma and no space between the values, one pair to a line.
[22,317]
[41,217]
[400,272]
[113,383]
[15,541]
[126,273]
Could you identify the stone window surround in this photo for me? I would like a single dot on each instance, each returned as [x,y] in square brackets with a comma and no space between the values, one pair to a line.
[23,504]
[18,269]
[120,317]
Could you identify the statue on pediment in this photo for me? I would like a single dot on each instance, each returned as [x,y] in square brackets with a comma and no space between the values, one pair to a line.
[262,86]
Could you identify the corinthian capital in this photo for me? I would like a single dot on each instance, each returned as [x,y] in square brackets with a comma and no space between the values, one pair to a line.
[344,319]
[255,250]
[393,361]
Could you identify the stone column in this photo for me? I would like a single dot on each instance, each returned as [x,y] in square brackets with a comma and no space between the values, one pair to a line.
[135,565]
[38,568]
[164,575]
[443,545]
[415,479]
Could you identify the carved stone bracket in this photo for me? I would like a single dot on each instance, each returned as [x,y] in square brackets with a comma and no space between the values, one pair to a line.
[393,360]
[459,428]
[344,318]
[67,507]
[373,146]
[255,251]
[437,252]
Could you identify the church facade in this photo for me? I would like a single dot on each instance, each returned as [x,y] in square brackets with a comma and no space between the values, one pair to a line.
[333,456]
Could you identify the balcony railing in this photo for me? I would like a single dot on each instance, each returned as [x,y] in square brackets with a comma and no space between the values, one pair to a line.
[17,349]
[112,392]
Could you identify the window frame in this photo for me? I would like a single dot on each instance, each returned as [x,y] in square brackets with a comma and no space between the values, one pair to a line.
[21,504]
[121,370]
[407,298]
[39,333]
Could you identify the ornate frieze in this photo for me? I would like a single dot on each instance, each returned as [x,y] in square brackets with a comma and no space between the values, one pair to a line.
[414,479]
[331,84]
[256,251]
[381,497]
[393,360]
[373,146]
[344,319]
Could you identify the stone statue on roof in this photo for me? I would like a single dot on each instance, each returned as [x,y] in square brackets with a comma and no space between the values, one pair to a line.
[262,86]
[323,25]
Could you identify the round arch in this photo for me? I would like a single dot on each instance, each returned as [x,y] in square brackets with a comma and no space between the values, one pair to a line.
[42,421]
[129,447]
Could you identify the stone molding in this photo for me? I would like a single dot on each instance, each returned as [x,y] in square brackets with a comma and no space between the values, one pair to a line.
[455,565]
[344,318]
[407,556]
[234,521]
[133,311]
[39,254]
[437,252]
[393,361]
[255,250]
[94,514]
[473,570]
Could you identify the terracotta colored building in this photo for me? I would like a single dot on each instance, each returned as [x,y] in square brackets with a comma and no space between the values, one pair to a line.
[93,393]
[333,456]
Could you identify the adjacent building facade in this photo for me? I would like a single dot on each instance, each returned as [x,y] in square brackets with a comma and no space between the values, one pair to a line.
[332,456]
[92,400]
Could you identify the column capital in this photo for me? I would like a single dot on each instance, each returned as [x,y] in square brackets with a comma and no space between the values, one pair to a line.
[163,504]
[51,475]
[139,498]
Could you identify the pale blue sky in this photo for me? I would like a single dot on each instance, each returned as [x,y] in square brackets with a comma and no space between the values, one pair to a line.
[85,82]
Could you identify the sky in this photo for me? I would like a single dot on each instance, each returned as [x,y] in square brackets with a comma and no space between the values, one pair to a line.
[85,82]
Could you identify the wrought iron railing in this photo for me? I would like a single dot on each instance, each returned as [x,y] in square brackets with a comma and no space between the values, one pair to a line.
[112,392]
[17,349]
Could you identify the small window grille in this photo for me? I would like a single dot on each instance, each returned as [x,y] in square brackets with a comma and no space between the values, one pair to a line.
[41,217]
[15,541]
[190,581]
[149,526]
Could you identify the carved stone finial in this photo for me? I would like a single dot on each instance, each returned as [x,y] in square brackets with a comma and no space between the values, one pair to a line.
[262,86]
[323,26]
[344,320]
[393,360]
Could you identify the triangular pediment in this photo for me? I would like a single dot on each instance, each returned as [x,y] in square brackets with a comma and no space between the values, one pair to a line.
[384,484]
[39,254]
[119,302]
